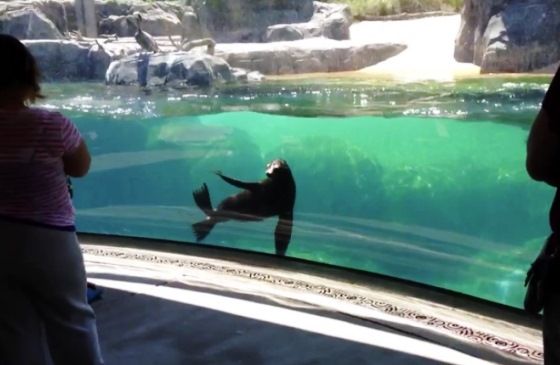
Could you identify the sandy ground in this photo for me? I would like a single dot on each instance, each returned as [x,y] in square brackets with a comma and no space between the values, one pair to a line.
[429,55]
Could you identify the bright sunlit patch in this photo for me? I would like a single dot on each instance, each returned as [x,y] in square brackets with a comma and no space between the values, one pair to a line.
[430,45]
[303,321]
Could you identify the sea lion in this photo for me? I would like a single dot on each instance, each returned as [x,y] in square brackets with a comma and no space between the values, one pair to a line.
[273,196]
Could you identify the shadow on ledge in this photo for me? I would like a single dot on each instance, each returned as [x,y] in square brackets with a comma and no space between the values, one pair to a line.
[152,322]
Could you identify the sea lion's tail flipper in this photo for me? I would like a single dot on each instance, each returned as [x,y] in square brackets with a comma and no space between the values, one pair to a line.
[202,199]
[202,228]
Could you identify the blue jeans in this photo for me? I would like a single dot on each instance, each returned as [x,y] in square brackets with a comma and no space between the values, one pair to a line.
[44,314]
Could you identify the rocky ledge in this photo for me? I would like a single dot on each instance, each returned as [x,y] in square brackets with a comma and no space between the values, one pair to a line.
[306,56]
[176,70]
[121,62]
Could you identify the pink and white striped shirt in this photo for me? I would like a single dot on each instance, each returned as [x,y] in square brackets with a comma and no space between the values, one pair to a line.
[32,179]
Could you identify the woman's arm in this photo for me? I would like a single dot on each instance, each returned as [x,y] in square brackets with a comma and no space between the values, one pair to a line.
[543,145]
[543,151]
[77,163]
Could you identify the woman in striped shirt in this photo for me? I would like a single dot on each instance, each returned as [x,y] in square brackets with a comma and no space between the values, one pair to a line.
[44,314]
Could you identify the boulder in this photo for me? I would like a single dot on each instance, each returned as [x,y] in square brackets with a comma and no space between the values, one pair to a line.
[61,13]
[190,26]
[334,20]
[495,35]
[28,23]
[61,60]
[161,18]
[247,20]
[223,20]
[106,8]
[305,56]
[98,60]
[70,60]
[154,21]
[328,20]
[116,24]
[175,69]
[283,32]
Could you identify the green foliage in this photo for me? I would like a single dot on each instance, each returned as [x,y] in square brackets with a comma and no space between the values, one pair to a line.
[454,199]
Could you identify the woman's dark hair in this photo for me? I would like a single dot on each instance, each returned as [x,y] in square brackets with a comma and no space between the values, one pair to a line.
[18,69]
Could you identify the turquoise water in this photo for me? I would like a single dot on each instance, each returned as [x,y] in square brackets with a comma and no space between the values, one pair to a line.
[419,181]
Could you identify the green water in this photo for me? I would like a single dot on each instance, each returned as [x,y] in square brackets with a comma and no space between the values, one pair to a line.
[419,181]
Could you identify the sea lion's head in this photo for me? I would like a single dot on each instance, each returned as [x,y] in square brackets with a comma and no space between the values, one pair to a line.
[276,167]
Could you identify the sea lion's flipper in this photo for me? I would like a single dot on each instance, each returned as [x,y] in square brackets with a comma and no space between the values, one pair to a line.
[252,186]
[283,233]
[202,199]
[202,228]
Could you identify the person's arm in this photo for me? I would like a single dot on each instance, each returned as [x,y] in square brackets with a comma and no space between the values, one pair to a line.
[543,145]
[77,163]
[543,151]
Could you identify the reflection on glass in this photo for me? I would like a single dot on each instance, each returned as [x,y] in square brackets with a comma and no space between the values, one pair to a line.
[420,181]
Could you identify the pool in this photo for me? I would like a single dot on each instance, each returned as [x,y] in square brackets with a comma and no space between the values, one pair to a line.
[420,181]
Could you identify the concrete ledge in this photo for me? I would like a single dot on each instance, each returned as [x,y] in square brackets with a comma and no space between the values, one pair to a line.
[489,332]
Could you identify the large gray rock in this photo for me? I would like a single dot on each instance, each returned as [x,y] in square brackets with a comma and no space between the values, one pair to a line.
[328,20]
[28,23]
[305,56]
[223,20]
[283,32]
[116,24]
[60,60]
[61,13]
[98,60]
[161,18]
[248,20]
[191,27]
[176,69]
[156,22]
[509,35]
[69,60]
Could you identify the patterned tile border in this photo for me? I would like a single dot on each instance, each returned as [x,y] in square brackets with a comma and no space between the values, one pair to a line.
[474,336]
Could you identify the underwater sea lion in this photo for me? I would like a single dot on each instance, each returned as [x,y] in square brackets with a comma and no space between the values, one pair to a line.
[273,196]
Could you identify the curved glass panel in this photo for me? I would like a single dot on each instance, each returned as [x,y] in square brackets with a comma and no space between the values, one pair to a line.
[422,181]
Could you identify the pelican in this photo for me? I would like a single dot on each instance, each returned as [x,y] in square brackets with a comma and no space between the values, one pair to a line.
[144,39]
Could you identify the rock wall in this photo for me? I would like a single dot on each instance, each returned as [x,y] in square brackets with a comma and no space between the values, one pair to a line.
[223,20]
[328,20]
[509,35]
[247,20]
[68,60]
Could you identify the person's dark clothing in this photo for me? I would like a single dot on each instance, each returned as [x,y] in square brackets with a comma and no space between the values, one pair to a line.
[551,312]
